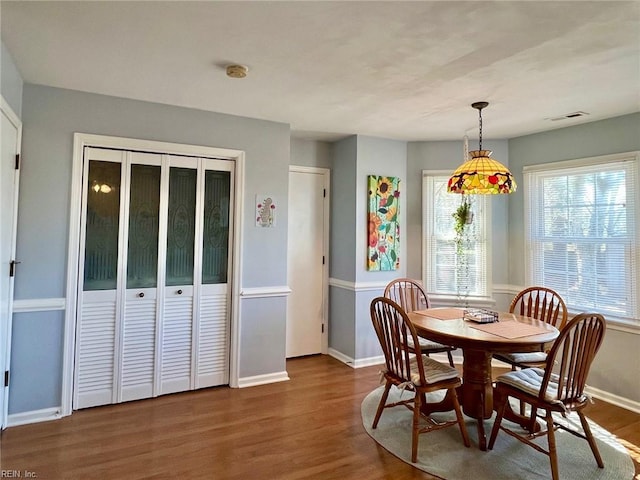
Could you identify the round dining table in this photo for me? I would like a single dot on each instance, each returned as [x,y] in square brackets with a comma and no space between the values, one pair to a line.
[478,343]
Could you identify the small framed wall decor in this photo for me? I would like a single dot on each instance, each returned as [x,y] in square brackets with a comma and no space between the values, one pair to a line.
[265,211]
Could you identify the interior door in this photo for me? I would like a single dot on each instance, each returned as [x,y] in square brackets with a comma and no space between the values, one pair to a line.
[11,129]
[306,264]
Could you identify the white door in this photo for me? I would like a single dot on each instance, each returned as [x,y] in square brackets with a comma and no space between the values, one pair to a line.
[11,129]
[307,261]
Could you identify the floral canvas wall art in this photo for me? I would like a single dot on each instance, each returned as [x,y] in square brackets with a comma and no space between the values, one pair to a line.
[384,230]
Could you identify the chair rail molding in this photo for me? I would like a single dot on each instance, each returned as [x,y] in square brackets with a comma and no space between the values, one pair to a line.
[357,286]
[39,305]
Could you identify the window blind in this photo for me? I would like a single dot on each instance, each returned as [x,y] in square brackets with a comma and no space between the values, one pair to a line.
[581,231]
[444,272]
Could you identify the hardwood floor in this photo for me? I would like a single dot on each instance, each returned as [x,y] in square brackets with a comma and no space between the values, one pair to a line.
[307,428]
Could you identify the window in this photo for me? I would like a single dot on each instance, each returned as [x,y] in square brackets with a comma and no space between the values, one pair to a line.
[446,273]
[581,233]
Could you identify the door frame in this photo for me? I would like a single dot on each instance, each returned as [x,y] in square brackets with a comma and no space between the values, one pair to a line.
[81,140]
[5,353]
[326,181]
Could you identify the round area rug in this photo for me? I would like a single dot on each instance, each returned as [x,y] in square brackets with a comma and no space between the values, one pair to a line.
[442,453]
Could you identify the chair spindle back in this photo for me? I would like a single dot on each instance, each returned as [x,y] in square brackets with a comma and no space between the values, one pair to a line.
[572,354]
[542,304]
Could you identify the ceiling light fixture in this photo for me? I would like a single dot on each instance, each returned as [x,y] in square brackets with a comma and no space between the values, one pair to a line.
[237,71]
[481,174]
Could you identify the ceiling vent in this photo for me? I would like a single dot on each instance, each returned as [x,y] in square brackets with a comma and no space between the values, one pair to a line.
[569,115]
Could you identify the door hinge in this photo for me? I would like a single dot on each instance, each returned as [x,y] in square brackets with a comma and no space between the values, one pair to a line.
[12,268]
[17,161]
[6,378]
[324,192]
[323,328]
[323,259]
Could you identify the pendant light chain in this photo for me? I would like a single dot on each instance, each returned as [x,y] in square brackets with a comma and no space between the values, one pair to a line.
[480,116]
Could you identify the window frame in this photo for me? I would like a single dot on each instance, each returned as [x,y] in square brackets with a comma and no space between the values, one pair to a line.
[482,214]
[532,174]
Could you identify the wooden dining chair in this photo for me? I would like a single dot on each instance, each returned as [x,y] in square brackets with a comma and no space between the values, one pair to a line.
[410,295]
[542,304]
[559,389]
[409,369]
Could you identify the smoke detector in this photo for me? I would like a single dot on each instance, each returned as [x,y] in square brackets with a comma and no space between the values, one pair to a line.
[237,71]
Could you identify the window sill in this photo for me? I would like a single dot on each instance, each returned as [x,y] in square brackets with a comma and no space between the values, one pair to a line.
[454,301]
[618,324]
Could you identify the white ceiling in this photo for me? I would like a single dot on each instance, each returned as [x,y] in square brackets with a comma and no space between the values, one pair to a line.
[401,70]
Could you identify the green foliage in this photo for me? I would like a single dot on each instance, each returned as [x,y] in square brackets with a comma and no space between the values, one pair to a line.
[461,215]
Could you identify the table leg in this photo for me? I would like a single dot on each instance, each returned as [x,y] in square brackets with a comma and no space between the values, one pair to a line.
[477,390]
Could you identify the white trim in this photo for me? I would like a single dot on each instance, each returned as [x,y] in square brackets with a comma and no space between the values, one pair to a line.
[34,416]
[353,363]
[80,140]
[39,305]
[264,292]
[6,333]
[613,399]
[357,287]
[583,162]
[314,170]
[236,279]
[506,289]
[263,379]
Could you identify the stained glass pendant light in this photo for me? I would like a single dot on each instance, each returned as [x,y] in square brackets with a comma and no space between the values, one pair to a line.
[481,174]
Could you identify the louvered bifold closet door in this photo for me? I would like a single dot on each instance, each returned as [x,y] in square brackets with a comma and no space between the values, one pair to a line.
[153,311]
[138,340]
[101,242]
[176,362]
[212,322]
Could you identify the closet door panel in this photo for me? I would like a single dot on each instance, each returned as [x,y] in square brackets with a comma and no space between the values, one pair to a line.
[140,313]
[138,344]
[96,346]
[213,337]
[177,324]
[176,340]
[212,356]
[97,329]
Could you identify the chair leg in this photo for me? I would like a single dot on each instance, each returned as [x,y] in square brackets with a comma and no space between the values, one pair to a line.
[533,416]
[461,424]
[417,403]
[450,359]
[553,454]
[590,439]
[383,402]
[496,424]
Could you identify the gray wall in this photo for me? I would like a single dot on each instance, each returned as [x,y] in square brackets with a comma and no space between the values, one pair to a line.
[448,156]
[351,332]
[311,153]
[50,117]
[617,366]
[11,83]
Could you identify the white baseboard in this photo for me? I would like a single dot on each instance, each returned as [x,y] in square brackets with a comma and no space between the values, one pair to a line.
[263,379]
[613,399]
[34,416]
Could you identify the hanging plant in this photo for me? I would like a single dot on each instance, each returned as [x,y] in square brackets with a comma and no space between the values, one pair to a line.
[463,216]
